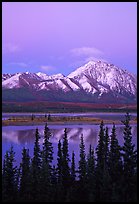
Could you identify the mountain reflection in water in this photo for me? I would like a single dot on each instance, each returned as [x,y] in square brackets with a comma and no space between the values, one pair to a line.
[24,136]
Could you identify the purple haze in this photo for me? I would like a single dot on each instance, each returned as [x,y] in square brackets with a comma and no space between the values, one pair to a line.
[54,37]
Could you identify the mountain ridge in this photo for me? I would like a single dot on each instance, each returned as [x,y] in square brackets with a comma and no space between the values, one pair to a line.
[96,79]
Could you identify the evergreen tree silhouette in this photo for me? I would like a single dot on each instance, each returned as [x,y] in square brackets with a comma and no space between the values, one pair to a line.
[82,171]
[130,162]
[73,171]
[36,168]
[91,174]
[100,161]
[66,179]
[25,183]
[115,165]
[9,172]
[46,166]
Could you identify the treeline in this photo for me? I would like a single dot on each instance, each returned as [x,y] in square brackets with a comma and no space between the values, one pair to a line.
[17,108]
[106,174]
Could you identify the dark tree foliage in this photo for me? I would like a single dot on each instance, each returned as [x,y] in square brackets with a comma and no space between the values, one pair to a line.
[129,152]
[103,182]
[59,162]
[65,162]
[73,171]
[82,161]
[115,161]
[90,164]
[59,181]
[107,174]
[25,183]
[130,162]
[9,177]
[101,148]
[47,152]
[115,165]
[82,172]
[91,174]
[36,167]
[106,147]
[100,161]
[46,166]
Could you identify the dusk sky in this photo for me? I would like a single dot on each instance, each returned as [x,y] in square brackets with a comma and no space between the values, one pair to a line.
[57,37]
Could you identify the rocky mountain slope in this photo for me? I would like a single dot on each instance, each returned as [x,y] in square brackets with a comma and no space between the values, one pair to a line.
[96,81]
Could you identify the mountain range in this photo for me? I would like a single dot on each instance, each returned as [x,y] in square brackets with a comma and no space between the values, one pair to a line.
[96,82]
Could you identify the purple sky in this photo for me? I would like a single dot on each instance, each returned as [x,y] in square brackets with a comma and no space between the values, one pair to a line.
[57,37]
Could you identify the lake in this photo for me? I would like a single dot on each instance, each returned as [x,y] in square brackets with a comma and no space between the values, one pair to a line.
[24,136]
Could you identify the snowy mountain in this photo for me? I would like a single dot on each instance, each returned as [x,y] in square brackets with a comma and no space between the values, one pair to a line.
[104,77]
[6,76]
[94,81]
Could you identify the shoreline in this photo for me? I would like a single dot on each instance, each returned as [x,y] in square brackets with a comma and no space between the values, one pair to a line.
[33,123]
[74,112]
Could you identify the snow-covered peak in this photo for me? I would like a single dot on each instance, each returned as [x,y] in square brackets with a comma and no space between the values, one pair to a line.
[91,62]
[57,76]
[6,76]
[52,77]
[40,74]
[91,65]
[12,82]
[43,76]
[108,75]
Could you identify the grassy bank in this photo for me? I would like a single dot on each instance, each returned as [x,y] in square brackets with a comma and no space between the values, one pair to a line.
[28,120]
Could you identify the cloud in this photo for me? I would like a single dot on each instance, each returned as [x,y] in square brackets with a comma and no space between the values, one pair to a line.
[86,51]
[10,48]
[20,64]
[85,54]
[47,67]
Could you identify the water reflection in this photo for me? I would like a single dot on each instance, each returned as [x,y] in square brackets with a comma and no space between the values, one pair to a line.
[90,133]
[24,136]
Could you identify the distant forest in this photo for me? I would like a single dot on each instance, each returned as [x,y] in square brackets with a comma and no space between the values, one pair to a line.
[106,174]
[63,107]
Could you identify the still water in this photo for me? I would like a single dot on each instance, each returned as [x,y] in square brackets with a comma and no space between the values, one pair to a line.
[24,136]
[112,116]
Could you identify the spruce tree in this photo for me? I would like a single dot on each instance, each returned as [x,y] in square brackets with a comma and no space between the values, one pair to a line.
[36,168]
[100,163]
[73,171]
[115,162]
[54,184]
[47,147]
[90,164]
[59,186]
[59,162]
[82,161]
[65,162]
[46,167]
[106,182]
[106,147]
[9,172]
[100,149]
[91,174]
[25,183]
[130,162]
[82,171]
